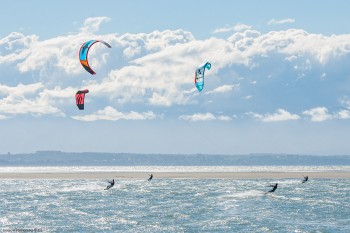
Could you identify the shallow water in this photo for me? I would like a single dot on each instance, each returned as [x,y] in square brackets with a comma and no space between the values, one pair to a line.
[175,205]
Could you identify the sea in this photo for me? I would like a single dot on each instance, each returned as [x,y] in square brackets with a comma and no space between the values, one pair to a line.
[175,205]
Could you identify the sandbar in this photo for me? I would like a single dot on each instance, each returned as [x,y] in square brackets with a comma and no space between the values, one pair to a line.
[176,175]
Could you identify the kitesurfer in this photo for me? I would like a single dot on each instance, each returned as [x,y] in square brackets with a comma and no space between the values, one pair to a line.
[111,184]
[306,178]
[150,177]
[274,187]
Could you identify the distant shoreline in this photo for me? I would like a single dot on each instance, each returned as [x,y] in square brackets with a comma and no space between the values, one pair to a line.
[58,158]
[177,175]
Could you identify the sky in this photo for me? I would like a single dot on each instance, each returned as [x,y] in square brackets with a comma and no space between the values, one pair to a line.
[279,81]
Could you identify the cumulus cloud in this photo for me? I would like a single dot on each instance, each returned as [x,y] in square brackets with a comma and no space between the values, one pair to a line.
[281,21]
[343,114]
[27,99]
[204,117]
[30,54]
[320,114]
[111,114]
[16,47]
[156,69]
[92,25]
[279,115]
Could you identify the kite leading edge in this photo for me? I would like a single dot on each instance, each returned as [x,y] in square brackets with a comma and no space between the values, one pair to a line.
[84,51]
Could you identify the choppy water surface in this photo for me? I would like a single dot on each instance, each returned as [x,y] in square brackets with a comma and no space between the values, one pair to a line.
[175,205]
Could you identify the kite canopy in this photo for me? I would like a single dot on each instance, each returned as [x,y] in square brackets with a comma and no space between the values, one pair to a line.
[84,51]
[199,76]
[80,97]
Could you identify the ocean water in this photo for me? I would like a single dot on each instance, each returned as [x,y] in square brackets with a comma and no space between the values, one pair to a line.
[175,205]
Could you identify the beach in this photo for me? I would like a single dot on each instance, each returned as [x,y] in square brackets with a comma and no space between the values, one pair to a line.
[175,175]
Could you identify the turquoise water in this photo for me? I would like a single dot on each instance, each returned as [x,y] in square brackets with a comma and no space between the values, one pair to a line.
[175,205]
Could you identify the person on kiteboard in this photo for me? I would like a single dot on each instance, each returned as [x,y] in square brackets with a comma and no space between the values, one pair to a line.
[306,178]
[150,177]
[274,187]
[111,184]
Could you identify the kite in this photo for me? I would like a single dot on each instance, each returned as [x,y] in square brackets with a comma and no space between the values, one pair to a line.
[199,76]
[84,51]
[80,97]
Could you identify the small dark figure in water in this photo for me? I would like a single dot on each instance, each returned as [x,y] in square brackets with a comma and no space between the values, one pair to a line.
[111,184]
[274,187]
[150,177]
[306,178]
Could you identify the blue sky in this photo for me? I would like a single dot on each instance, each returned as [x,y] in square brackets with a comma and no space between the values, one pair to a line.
[201,18]
[279,81]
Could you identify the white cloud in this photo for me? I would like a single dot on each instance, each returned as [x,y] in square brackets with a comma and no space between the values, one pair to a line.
[238,27]
[20,89]
[30,54]
[241,27]
[223,89]
[281,21]
[156,69]
[280,115]
[224,118]
[16,47]
[111,114]
[27,99]
[343,114]
[291,42]
[291,58]
[92,25]
[159,100]
[318,114]
[204,117]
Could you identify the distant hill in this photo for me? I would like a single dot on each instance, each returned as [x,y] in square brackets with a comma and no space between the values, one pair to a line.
[58,158]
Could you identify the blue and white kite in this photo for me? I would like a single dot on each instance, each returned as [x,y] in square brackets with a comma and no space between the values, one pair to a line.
[199,76]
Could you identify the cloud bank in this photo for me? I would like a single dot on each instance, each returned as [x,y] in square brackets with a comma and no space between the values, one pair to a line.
[148,73]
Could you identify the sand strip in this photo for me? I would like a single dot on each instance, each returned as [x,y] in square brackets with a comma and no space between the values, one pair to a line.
[177,175]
